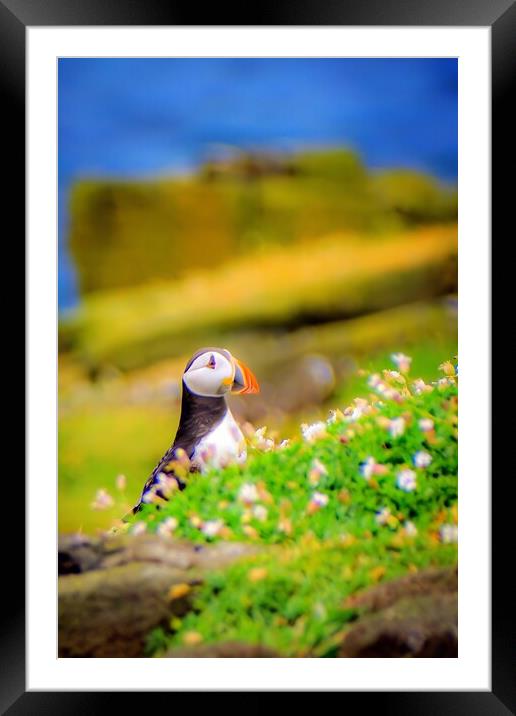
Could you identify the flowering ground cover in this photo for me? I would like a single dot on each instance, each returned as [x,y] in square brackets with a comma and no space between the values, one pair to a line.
[123,424]
[368,495]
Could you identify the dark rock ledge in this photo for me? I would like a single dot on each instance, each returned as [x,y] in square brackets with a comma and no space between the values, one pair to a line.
[414,616]
[114,590]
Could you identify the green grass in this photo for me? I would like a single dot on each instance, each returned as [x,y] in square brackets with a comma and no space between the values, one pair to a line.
[299,606]
[425,354]
[96,445]
[291,596]
[100,439]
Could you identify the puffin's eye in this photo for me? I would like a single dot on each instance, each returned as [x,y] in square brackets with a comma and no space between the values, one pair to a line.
[211,362]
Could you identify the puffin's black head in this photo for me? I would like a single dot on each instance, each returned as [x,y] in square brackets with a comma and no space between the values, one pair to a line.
[214,372]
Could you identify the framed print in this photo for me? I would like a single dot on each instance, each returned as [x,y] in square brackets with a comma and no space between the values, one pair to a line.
[256,256]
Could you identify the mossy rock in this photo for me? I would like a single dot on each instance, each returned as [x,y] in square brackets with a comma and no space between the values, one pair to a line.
[415,616]
[420,584]
[121,587]
[108,613]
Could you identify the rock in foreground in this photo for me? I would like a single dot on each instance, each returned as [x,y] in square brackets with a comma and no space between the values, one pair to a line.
[415,616]
[114,591]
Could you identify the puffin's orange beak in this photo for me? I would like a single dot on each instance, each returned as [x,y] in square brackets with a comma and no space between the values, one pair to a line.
[244,380]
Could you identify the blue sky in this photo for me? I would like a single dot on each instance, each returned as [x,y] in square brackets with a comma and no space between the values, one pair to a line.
[137,118]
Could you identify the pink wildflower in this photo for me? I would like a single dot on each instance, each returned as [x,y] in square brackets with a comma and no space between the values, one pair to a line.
[248,493]
[319,499]
[211,528]
[402,361]
[317,471]
[426,425]
[166,527]
[370,467]
[397,427]
[103,500]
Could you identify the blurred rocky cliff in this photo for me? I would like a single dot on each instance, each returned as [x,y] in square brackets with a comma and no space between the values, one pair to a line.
[125,233]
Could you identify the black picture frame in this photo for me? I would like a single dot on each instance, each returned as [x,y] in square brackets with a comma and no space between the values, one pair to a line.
[500,15]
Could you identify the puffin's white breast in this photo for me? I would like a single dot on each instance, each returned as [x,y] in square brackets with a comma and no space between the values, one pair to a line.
[223,445]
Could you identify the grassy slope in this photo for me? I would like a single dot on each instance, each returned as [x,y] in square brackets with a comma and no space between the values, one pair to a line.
[100,436]
[292,595]
[96,445]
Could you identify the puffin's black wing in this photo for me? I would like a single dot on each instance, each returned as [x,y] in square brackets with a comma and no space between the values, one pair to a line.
[199,415]
[163,467]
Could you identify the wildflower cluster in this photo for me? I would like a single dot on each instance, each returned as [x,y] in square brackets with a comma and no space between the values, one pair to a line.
[313,484]
[373,488]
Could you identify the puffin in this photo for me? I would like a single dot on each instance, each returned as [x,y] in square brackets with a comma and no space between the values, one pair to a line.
[208,434]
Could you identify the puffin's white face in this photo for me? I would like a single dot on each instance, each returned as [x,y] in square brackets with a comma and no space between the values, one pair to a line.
[213,372]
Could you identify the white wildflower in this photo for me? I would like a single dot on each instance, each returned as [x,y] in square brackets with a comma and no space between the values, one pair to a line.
[422,459]
[166,527]
[138,528]
[367,468]
[248,493]
[388,392]
[260,513]
[357,409]
[410,529]
[406,480]
[313,431]
[102,501]
[401,361]
[383,516]
[319,499]
[211,528]
[397,427]
[426,425]
[374,380]
[449,533]
[317,470]
[444,382]
[261,442]
[419,386]
[334,417]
